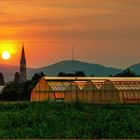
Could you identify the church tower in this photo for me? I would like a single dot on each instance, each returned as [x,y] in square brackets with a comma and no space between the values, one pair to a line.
[22,66]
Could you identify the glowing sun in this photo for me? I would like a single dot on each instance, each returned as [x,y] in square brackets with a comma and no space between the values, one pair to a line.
[6,55]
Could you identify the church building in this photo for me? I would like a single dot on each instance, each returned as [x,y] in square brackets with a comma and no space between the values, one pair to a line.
[23,75]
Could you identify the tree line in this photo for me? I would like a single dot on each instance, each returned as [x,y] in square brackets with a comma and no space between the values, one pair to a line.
[15,90]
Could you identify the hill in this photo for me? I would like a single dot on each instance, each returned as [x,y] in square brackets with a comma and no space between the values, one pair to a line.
[67,67]
[68,121]
[9,71]
[135,68]
[72,66]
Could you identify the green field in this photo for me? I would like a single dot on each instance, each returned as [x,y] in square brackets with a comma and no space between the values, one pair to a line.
[44,120]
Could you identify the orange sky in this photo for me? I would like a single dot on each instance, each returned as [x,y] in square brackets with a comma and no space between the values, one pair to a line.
[102,31]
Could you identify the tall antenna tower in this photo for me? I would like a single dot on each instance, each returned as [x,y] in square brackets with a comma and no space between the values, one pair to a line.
[72,53]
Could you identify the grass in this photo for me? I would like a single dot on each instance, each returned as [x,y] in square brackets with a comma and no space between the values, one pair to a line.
[49,121]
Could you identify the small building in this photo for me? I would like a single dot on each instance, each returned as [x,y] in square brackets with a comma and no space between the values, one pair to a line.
[1,88]
[98,90]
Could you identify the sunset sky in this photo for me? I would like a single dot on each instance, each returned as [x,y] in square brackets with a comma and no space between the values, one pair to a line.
[102,31]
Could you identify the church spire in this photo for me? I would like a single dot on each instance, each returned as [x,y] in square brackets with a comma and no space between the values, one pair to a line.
[23,59]
[23,66]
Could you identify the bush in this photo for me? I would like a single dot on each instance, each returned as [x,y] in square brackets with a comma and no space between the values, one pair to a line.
[46,120]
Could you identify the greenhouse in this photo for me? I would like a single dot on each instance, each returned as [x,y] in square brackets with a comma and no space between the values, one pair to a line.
[98,90]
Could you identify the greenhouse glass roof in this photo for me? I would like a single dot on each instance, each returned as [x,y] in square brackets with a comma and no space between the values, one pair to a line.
[59,86]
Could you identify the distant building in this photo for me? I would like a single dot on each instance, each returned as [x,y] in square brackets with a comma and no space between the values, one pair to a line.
[1,88]
[23,66]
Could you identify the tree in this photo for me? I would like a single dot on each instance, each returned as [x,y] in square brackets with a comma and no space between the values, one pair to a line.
[2,82]
[37,76]
[15,91]
[17,78]
[76,74]
[61,74]
[80,74]
[10,94]
[126,73]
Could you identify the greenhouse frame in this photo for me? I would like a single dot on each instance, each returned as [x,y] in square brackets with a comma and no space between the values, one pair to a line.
[96,90]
